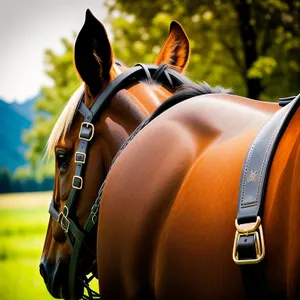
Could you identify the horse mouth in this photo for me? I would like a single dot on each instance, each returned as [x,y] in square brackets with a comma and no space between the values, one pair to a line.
[57,282]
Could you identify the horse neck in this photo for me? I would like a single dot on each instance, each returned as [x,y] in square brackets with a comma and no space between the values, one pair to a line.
[282,209]
[148,96]
[121,117]
[130,107]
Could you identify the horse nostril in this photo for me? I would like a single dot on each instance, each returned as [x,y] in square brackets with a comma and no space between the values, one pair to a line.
[43,272]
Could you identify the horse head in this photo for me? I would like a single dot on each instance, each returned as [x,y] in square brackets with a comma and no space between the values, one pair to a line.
[84,150]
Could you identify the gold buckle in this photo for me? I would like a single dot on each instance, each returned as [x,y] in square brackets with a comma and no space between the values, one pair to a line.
[80,161]
[81,183]
[63,219]
[87,124]
[247,229]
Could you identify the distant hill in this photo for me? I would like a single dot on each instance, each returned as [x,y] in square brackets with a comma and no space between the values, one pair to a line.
[15,118]
[25,109]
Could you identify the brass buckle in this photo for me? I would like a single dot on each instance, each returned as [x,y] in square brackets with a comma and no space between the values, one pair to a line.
[80,161]
[81,182]
[87,124]
[63,219]
[247,229]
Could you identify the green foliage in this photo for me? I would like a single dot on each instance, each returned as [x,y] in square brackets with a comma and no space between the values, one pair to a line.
[23,172]
[60,68]
[262,67]
[140,39]
[219,49]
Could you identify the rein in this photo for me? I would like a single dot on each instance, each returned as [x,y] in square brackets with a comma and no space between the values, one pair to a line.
[76,236]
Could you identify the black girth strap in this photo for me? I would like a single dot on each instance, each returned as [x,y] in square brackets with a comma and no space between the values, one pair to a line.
[286,100]
[249,246]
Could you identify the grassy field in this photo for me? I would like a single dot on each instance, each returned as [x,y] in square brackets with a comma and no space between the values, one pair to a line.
[23,224]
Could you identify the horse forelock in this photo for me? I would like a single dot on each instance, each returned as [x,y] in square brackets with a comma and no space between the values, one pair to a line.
[64,121]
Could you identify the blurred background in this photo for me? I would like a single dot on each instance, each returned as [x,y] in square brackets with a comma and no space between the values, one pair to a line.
[251,46]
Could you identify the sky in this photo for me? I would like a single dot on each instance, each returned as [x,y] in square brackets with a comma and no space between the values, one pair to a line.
[27,28]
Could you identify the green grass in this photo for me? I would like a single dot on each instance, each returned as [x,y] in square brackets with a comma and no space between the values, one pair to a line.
[22,234]
[23,224]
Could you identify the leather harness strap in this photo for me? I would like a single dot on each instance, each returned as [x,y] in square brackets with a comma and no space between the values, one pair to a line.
[249,245]
[249,242]
[286,100]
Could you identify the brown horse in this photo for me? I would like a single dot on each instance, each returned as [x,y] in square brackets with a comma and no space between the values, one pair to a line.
[166,223]
[95,64]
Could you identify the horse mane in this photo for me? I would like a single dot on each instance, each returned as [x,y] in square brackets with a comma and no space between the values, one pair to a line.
[187,91]
[192,89]
[64,121]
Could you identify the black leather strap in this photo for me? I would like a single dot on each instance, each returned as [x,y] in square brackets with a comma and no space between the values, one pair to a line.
[251,201]
[84,111]
[286,100]
[258,162]
[86,132]
[159,72]
[147,73]
[249,248]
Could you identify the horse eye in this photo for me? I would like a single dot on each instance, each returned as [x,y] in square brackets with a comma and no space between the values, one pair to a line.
[62,160]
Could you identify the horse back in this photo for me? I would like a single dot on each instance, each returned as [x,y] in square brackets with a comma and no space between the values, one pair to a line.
[170,202]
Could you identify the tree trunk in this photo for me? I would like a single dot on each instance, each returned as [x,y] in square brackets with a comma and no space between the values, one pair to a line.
[248,37]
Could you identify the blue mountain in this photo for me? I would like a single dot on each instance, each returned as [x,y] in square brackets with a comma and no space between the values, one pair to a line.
[15,118]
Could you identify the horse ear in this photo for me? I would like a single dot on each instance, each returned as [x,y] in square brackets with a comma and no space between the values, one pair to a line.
[176,50]
[93,54]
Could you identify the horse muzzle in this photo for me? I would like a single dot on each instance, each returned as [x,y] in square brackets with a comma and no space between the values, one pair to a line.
[55,276]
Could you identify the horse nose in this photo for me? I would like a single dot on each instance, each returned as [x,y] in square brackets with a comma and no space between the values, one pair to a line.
[43,271]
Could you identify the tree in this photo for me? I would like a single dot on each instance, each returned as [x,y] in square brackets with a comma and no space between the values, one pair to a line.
[5,181]
[250,45]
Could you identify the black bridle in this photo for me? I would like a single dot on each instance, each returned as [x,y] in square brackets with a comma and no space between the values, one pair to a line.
[76,236]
